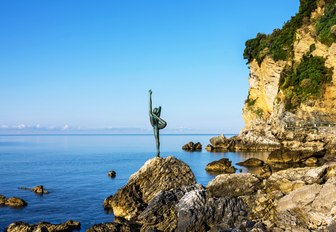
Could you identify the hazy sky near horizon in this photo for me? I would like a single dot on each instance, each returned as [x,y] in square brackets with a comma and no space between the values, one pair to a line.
[90,64]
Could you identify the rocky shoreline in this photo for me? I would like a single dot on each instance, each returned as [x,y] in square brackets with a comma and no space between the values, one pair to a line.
[163,196]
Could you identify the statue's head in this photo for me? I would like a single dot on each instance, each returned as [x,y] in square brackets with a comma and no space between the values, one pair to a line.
[156,111]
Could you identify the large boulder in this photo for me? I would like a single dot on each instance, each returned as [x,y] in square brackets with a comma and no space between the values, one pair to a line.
[191,146]
[251,162]
[44,226]
[157,174]
[234,185]
[160,213]
[223,165]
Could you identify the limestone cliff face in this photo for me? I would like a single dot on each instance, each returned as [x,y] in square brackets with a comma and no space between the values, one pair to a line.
[264,110]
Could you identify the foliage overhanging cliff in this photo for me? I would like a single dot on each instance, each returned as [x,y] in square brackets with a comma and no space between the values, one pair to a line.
[293,70]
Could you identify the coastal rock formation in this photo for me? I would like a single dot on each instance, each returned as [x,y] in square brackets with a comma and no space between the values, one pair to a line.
[251,162]
[44,226]
[13,202]
[223,165]
[292,85]
[157,174]
[38,189]
[300,199]
[191,146]
[296,199]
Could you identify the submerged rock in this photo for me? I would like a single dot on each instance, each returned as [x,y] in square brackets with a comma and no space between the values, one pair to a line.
[2,199]
[287,156]
[223,165]
[122,226]
[38,189]
[252,162]
[191,146]
[157,174]
[44,226]
[112,174]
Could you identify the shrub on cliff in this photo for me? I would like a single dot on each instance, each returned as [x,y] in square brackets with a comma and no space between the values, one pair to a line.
[304,81]
[326,25]
[279,44]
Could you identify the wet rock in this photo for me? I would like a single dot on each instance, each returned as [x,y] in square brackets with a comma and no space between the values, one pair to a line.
[112,174]
[265,171]
[15,202]
[120,226]
[246,141]
[234,185]
[251,162]
[219,143]
[311,161]
[223,165]
[209,148]
[44,227]
[191,146]
[287,156]
[38,189]
[157,174]
[196,211]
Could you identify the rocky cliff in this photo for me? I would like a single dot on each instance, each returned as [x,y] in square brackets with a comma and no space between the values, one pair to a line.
[292,95]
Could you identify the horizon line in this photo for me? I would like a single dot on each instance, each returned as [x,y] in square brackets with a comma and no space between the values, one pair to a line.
[117,134]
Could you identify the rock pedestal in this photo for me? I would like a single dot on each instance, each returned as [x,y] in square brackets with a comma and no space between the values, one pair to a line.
[158,174]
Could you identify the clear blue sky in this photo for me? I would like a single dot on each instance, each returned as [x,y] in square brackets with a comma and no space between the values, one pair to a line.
[90,64]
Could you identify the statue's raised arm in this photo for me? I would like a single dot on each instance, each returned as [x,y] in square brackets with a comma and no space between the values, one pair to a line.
[150,107]
[150,101]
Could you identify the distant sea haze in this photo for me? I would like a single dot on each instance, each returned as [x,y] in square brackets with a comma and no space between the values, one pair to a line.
[66,129]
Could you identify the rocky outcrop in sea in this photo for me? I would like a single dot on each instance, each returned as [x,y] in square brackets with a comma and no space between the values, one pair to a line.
[163,196]
[191,146]
[13,202]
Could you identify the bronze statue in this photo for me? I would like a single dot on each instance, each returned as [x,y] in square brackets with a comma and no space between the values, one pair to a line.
[156,121]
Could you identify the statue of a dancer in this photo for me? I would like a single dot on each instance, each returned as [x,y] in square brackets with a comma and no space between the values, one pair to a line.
[156,121]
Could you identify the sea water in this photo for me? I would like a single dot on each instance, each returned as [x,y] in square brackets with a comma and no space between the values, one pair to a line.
[73,168]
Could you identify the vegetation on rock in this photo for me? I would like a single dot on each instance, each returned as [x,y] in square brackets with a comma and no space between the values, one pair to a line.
[279,44]
[304,81]
[326,25]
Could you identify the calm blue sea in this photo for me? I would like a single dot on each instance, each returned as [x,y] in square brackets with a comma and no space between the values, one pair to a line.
[74,169]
